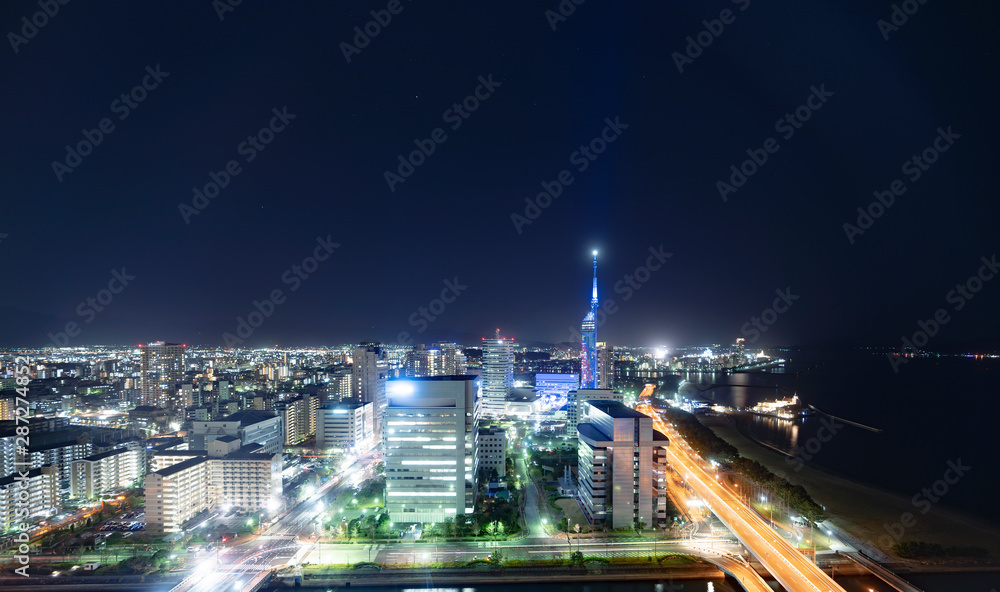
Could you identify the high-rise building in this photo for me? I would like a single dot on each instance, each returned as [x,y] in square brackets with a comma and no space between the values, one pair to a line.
[177,494]
[453,360]
[588,346]
[622,467]
[31,495]
[106,472]
[162,371]
[605,366]
[368,375]
[498,374]
[430,431]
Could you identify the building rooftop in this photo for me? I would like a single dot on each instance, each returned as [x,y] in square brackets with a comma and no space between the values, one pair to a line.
[616,409]
[104,455]
[249,416]
[181,466]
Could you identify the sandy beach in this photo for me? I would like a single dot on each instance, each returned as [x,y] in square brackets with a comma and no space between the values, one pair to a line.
[869,514]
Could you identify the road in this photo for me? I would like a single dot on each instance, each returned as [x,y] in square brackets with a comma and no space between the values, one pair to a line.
[789,566]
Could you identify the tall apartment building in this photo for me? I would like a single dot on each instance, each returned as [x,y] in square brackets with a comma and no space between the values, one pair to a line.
[298,418]
[369,373]
[340,385]
[431,427]
[622,467]
[226,475]
[498,374]
[176,494]
[452,359]
[605,366]
[40,491]
[347,427]
[243,476]
[577,401]
[106,472]
[162,370]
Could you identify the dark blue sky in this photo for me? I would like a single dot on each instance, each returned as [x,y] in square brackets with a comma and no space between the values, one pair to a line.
[655,184]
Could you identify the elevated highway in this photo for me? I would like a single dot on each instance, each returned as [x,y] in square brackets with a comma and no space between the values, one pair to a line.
[783,561]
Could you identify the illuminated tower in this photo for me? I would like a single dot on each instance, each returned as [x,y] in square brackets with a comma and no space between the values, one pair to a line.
[588,348]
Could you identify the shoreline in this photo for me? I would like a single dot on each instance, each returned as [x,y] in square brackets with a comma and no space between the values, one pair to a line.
[868,513]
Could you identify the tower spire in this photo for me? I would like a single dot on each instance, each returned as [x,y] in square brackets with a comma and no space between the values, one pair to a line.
[593,299]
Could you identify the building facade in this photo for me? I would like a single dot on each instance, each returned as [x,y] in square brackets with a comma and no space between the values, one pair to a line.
[177,494]
[106,472]
[605,366]
[162,370]
[347,427]
[369,373]
[431,425]
[492,447]
[622,467]
[498,374]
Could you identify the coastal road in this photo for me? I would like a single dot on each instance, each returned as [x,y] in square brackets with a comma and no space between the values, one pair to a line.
[790,567]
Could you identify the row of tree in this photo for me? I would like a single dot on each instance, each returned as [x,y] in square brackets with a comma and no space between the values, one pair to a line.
[918,549]
[712,447]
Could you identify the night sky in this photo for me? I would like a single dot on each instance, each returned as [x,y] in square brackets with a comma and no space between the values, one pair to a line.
[880,102]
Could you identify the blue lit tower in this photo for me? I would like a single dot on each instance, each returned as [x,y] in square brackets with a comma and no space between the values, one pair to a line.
[588,349]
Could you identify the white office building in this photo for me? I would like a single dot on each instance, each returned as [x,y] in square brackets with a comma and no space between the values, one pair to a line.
[430,455]
[498,374]
[622,467]
[347,427]
[369,373]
